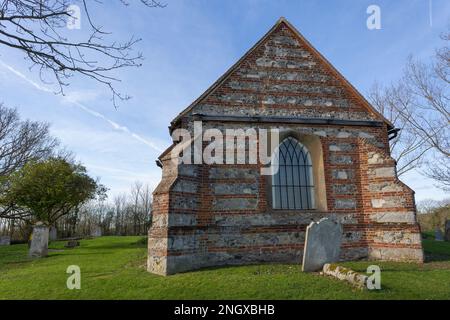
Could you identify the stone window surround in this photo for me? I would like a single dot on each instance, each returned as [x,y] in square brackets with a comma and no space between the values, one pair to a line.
[314,145]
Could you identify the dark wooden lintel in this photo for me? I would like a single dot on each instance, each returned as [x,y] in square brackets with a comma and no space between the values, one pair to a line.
[292,120]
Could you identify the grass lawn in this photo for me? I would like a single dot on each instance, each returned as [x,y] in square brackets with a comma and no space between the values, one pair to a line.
[114,268]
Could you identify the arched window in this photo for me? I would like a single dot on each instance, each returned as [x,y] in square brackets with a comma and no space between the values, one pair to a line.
[292,183]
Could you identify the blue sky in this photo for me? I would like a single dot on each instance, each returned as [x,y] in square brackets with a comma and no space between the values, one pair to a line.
[187,45]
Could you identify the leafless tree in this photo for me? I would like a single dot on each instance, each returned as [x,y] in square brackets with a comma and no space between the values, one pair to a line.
[428,205]
[126,214]
[419,105]
[120,205]
[136,190]
[408,149]
[141,204]
[146,205]
[22,141]
[37,28]
[129,214]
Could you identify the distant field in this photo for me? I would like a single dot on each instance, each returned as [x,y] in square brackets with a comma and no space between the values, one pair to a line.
[114,268]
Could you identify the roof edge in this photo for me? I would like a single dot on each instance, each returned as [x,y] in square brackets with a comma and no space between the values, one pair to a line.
[222,78]
[336,72]
[352,88]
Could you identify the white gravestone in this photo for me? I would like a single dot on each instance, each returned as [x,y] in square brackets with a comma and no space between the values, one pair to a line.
[53,234]
[5,240]
[96,231]
[438,235]
[322,244]
[39,241]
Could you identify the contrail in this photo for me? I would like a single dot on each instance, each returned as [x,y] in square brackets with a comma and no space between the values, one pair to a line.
[430,5]
[21,75]
[86,109]
[115,125]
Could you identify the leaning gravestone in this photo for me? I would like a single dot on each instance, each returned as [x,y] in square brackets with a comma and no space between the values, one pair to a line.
[39,241]
[322,244]
[438,235]
[5,240]
[52,236]
[447,230]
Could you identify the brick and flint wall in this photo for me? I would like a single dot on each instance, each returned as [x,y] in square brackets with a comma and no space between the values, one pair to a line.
[209,215]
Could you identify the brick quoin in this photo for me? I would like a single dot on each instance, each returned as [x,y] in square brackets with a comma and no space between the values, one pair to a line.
[221,214]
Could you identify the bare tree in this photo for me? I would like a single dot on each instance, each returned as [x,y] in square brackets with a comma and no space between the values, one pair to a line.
[132,211]
[428,205]
[408,149]
[429,105]
[120,204]
[141,203]
[146,203]
[419,105]
[136,190]
[22,141]
[37,28]
[127,214]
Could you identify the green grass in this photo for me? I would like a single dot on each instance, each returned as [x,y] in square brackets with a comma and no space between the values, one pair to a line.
[114,268]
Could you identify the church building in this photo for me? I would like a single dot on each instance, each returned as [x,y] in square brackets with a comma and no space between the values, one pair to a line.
[333,160]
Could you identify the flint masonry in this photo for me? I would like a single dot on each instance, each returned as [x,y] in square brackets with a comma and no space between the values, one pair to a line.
[334,161]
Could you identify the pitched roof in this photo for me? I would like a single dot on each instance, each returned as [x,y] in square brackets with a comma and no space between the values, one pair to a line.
[312,50]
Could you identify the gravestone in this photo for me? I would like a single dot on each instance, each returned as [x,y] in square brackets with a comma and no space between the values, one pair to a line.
[53,235]
[96,231]
[5,240]
[72,244]
[322,244]
[447,230]
[438,235]
[39,241]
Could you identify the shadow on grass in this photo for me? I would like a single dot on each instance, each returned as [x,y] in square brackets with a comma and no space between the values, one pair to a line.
[436,257]
[76,253]
[253,268]
[436,251]
[140,243]
[111,246]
